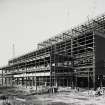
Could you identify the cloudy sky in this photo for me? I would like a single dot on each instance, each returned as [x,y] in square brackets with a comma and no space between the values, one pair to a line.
[24,23]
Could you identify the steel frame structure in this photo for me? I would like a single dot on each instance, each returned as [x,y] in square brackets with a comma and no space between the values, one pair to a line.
[58,59]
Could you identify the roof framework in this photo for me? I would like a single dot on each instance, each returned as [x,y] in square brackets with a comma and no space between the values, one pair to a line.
[96,24]
[91,25]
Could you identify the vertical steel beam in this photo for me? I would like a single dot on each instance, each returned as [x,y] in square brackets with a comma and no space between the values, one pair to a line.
[93,62]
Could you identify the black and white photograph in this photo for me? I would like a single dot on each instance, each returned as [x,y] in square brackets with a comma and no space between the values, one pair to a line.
[52,52]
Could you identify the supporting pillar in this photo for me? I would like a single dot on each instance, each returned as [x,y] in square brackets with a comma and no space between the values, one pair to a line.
[33,81]
[26,82]
[94,86]
[5,81]
[17,80]
[2,78]
[12,81]
[22,81]
[36,82]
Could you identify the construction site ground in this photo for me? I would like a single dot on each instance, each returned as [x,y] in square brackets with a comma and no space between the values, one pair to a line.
[65,96]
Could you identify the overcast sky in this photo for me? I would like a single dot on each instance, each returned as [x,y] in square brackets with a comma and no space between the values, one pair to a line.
[27,22]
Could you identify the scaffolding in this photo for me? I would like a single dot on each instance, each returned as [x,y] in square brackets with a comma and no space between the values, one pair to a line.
[60,60]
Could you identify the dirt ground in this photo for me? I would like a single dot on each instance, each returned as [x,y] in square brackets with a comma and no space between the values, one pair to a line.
[71,97]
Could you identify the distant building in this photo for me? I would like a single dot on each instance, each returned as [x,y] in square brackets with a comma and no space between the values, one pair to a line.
[72,58]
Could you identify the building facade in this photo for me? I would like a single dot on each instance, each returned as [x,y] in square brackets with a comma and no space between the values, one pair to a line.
[72,58]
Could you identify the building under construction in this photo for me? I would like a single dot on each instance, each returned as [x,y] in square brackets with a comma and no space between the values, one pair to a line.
[72,58]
